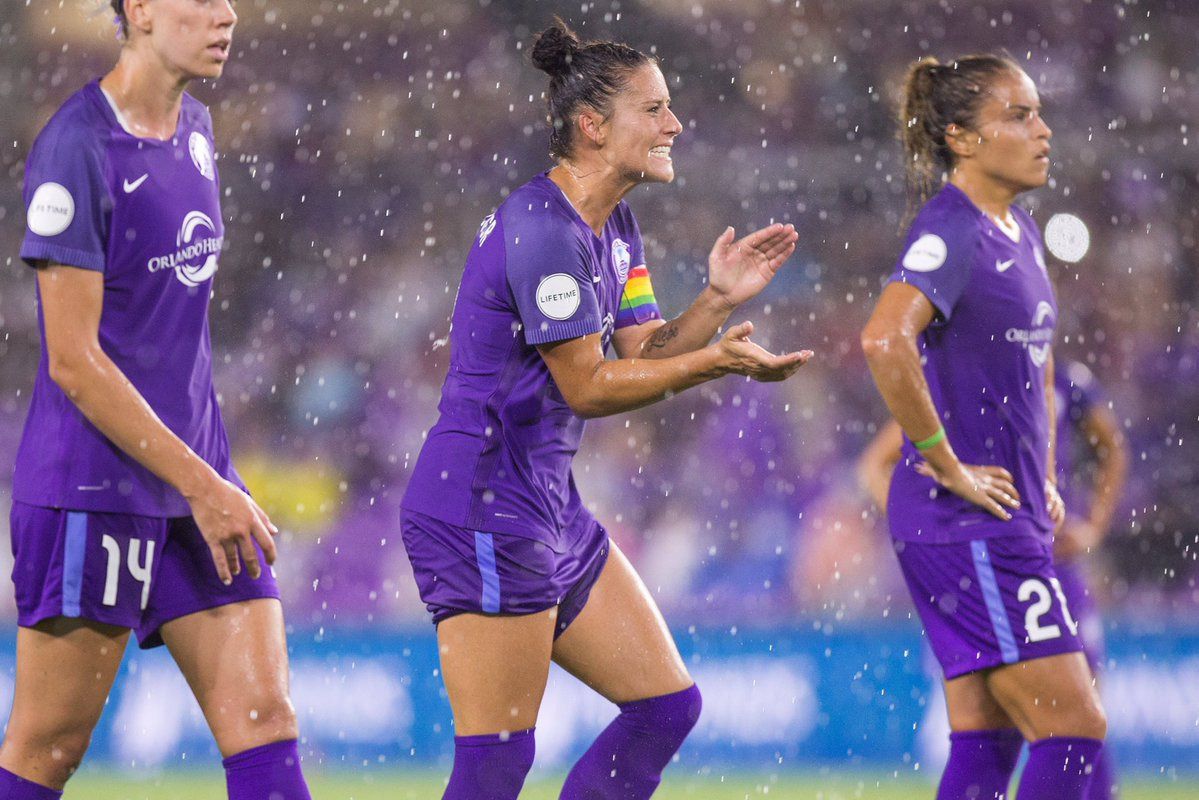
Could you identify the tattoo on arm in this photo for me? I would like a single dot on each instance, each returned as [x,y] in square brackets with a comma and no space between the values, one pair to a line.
[659,338]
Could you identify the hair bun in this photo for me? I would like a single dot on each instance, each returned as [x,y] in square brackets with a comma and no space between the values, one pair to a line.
[555,48]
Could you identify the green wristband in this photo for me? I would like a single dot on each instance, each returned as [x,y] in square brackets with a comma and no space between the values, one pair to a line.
[932,441]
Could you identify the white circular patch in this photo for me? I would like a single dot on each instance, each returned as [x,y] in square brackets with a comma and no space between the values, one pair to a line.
[201,152]
[558,296]
[51,209]
[1067,237]
[926,254]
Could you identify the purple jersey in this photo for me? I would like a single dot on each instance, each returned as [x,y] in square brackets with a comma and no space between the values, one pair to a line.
[1077,393]
[499,457]
[145,213]
[984,359]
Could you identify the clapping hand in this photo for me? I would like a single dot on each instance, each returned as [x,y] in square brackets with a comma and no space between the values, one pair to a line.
[739,270]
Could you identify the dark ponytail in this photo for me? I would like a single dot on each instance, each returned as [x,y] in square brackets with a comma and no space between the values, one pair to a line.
[935,96]
[581,74]
[118,8]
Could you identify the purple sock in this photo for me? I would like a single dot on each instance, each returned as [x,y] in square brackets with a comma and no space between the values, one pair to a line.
[626,761]
[14,787]
[269,772]
[1103,779]
[1059,768]
[492,766]
[980,764]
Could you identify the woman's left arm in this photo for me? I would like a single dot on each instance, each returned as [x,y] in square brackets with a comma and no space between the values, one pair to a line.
[1103,433]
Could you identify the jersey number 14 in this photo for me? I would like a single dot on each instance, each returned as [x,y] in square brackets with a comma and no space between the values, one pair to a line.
[139,571]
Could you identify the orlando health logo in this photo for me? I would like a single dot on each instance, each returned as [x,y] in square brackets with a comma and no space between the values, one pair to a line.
[1039,337]
[197,248]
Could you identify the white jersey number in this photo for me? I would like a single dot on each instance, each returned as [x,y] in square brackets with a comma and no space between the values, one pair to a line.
[1034,587]
[139,571]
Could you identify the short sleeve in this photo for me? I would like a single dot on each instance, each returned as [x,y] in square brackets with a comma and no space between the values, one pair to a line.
[937,259]
[68,204]
[637,302]
[550,277]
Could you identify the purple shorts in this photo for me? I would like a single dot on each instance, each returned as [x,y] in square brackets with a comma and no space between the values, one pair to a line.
[989,602]
[119,569]
[1081,602]
[461,571]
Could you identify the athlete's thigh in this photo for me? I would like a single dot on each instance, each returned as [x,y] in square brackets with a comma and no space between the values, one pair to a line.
[1051,696]
[234,658]
[495,669]
[971,705]
[65,670]
[186,582]
[619,644]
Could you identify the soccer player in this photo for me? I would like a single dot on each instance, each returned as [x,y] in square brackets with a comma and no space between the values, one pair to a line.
[1090,497]
[127,513]
[960,346]
[514,569]
[1083,416]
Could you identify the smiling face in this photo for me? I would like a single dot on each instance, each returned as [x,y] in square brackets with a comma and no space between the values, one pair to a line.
[190,37]
[641,128]
[1009,142]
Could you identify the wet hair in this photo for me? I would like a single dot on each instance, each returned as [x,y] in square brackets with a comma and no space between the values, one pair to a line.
[581,74]
[118,8]
[935,96]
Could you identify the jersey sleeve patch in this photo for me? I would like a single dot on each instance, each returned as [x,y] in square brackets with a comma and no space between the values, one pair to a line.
[558,296]
[925,254]
[51,209]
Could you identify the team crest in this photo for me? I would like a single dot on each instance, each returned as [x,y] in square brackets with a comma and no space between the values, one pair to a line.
[1038,339]
[620,257]
[201,152]
[197,248]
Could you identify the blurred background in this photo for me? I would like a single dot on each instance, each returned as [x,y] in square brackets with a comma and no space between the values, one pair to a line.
[360,144]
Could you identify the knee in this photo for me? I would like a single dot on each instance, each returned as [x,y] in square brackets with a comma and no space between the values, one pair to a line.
[1083,719]
[1093,724]
[1086,718]
[56,753]
[268,717]
[275,717]
[669,717]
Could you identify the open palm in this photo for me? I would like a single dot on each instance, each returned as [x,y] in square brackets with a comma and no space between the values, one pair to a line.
[738,270]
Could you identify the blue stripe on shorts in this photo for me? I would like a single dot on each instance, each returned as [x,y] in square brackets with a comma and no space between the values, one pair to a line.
[72,563]
[485,555]
[994,601]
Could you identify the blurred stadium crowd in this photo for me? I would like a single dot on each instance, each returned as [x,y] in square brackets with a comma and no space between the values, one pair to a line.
[362,142]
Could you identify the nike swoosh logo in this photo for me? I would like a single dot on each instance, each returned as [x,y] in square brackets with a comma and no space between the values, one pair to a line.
[131,186]
[1002,266]
[596,278]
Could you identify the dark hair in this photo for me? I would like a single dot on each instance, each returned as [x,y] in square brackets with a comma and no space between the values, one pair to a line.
[935,96]
[581,74]
[118,8]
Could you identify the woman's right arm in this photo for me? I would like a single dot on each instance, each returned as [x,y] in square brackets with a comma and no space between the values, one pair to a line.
[72,300]
[889,341]
[596,387]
